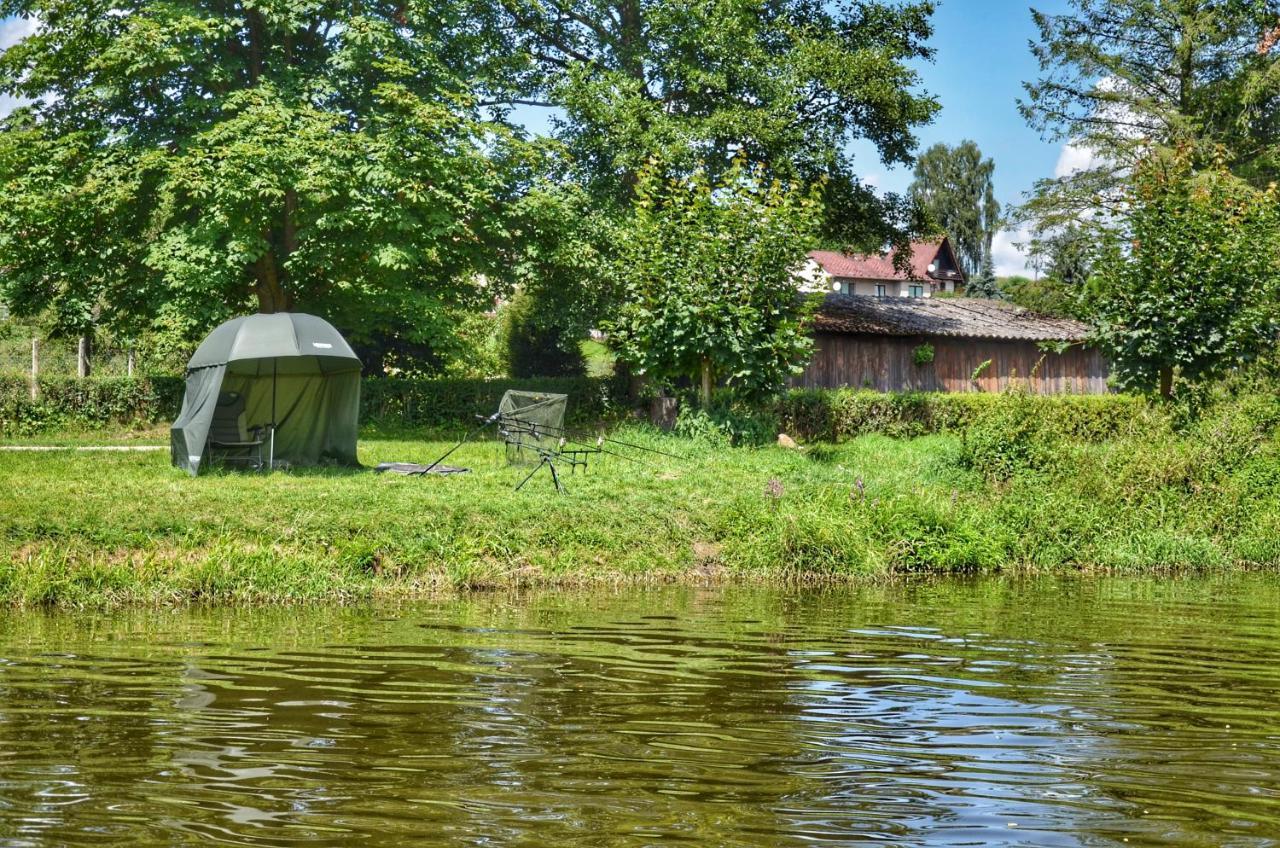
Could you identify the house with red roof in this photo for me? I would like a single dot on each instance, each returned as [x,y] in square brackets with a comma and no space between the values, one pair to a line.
[930,269]
[881,327]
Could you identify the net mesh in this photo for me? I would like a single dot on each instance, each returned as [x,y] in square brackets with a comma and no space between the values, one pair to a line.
[531,424]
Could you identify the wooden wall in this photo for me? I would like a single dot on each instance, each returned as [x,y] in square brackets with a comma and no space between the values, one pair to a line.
[887,363]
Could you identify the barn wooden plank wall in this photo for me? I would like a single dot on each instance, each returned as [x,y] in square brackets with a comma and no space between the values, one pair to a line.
[887,363]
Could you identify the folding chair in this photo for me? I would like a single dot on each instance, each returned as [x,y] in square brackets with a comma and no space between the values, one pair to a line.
[229,439]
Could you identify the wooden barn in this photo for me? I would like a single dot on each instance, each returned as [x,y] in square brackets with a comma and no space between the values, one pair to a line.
[884,343]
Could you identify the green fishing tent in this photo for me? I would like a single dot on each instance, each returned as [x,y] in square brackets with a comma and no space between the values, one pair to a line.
[291,377]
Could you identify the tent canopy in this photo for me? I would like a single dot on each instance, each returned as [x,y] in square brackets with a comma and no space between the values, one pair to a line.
[295,371]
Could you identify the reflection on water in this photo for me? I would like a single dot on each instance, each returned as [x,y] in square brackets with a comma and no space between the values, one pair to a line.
[1105,712]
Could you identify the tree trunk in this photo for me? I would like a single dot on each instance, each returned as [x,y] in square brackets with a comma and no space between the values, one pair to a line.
[82,358]
[129,363]
[1166,383]
[706,382]
[35,368]
[270,291]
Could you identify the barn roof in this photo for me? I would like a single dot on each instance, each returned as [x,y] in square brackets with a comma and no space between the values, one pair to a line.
[941,316]
[879,266]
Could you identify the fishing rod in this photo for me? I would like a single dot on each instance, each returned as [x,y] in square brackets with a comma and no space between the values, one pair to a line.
[565,435]
[486,422]
[568,433]
[533,431]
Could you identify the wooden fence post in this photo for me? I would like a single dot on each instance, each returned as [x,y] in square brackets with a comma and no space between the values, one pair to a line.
[35,367]
[82,358]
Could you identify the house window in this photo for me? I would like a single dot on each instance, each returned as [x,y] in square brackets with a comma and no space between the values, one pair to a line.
[880,290]
[915,291]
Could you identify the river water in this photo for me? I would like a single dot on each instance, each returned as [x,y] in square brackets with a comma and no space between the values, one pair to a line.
[993,712]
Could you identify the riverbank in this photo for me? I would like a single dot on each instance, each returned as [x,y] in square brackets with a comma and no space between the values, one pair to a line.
[126,528]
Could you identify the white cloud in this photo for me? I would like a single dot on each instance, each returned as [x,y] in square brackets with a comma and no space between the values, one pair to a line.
[1075,158]
[1008,258]
[13,30]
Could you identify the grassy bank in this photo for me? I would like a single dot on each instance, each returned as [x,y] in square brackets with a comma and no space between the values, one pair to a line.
[1006,494]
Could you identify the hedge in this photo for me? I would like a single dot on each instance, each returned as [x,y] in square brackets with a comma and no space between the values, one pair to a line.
[838,414]
[390,402]
[70,403]
[395,402]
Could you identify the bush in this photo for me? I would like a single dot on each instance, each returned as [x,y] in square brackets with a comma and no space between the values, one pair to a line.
[395,402]
[729,422]
[67,402]
[1010,436]
[839,414]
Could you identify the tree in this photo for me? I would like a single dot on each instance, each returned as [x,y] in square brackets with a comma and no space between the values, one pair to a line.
[1066,257]
[707,274]
[199,156]
[953,186]
[559,245]
[1121,75]
[985,284]
[1191,283]
[784,83]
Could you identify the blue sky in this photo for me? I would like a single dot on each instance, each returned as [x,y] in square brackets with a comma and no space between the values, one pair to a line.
[982,58]
[981,62]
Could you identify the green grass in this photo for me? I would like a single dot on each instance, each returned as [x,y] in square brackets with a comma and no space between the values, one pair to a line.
[91,529]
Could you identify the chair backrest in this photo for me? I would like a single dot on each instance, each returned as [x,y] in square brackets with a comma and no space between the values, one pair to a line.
[227,424]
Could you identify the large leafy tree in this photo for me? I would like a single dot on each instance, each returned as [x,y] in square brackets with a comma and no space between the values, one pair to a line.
[1120,75]
[1190,285]
[954,188]
[708,280]
[199,156]
[785,83]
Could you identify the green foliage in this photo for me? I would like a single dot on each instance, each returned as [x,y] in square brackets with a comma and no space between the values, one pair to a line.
[922,355]
[69,403]
[707,278]
[1066,256]
[985,284]
[786,84]
[1009,436]
[1044,295]
[841,414]
[557,260]
[1192,282]
[392,404]
[189,159]
[728,422]
[537,344]
[953,185]
[387,403]
[1111,89]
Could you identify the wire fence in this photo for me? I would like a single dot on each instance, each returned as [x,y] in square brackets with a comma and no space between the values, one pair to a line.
[60,357]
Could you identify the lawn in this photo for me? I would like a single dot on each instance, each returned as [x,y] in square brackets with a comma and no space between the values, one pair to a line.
[102,528]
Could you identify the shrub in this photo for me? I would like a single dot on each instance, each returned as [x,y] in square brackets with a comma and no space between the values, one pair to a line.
[729,421]
[1008,437]
[392,402]
[67,402]
[839,414]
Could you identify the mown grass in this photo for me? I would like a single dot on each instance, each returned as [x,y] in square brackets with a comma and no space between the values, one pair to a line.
[91,529]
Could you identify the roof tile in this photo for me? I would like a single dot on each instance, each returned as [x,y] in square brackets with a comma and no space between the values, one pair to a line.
[937,316]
